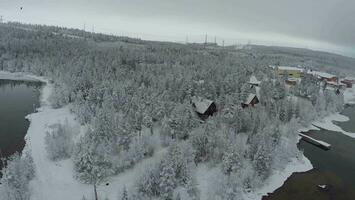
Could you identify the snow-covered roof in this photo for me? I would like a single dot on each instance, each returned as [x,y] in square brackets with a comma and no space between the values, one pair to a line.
[321,74]
[200,82]
[201,104]
[287,68]
[290,68]
[250,98]
[254,81]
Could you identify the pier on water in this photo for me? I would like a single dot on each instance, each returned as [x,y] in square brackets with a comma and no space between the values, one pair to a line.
[316,142]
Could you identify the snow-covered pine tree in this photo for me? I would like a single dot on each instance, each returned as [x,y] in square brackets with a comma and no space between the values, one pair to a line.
[167,180]
[124,194]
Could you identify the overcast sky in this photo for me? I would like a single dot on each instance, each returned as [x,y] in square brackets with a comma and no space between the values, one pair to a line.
[317,24]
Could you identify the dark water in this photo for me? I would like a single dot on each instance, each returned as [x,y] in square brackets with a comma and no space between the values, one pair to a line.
[335,167]
[17,99]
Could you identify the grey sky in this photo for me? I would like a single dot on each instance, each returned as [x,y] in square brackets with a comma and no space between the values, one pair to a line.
[318,24]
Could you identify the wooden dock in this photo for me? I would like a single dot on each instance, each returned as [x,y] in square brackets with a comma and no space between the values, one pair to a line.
[318,143]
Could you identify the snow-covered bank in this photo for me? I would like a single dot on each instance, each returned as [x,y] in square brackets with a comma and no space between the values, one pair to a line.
[278,178]
[18,76]
[206,175]
[327,122]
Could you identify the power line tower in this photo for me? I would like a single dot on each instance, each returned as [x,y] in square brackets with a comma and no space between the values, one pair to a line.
[1,19]
[215,40]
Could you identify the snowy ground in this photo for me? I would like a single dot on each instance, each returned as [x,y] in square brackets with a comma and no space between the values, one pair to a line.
[207,175]
[278,178]
[349,95]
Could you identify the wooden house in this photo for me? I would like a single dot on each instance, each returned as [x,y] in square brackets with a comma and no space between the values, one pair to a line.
[251,100]
[203,107]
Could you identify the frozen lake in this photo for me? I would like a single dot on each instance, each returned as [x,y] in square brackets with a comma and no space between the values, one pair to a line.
[17,99]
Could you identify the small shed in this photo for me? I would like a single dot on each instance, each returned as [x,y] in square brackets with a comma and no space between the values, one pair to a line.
[203,107]
[251,100]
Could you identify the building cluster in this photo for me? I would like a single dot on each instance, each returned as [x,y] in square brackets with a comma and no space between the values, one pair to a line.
[206,108]
[294,75]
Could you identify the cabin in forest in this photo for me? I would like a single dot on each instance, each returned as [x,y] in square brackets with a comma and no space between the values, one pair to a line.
[251,100]
[203,107]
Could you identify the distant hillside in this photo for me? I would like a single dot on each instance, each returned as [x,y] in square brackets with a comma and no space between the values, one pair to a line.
[267,54]
[297,56]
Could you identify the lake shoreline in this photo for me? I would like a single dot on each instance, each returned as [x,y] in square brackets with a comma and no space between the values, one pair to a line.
[19,96]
